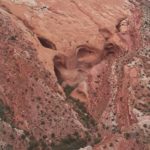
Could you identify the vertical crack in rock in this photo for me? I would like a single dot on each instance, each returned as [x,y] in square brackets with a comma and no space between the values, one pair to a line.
[111,49]
[59,66]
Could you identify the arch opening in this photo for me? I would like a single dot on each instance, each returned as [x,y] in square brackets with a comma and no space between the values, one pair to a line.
[46,43]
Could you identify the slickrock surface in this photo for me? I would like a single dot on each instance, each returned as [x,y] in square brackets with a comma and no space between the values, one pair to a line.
[74,74]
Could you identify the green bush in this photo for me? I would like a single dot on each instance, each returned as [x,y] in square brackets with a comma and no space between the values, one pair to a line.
[1,110]
[37,144]
[5,113]
[70,143]
[9,147]
[33,144]
[68,89]
[80,108]
[127,135]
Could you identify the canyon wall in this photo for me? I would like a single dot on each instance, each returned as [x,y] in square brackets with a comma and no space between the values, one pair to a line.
[74,74]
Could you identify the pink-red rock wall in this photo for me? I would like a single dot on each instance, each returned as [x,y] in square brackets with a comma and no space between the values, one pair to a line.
[74,73]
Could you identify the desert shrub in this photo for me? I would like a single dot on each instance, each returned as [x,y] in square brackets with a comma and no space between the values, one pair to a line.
[84,116]
[127,135]
[1,110]
[5,113]
[33,144]
[68,89]
[70,143]
[97,140]
[9,147]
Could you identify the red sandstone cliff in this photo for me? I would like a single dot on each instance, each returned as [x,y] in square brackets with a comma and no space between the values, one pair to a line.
[74,73]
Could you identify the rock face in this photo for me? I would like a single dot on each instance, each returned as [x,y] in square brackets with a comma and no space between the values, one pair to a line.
[74,73]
